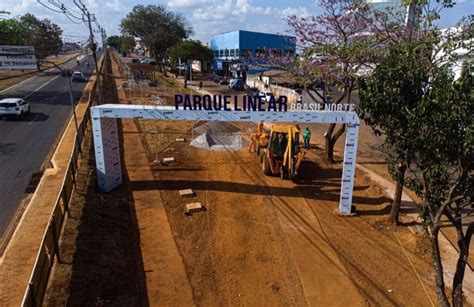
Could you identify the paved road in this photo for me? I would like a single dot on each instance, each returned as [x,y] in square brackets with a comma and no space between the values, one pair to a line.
[25,143]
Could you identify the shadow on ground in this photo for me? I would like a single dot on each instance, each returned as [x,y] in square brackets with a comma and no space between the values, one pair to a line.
[100,254]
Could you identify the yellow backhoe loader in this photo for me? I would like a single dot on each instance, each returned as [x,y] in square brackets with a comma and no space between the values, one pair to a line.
[281,153]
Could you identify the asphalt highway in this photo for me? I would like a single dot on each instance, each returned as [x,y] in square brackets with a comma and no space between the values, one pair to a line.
[26,143]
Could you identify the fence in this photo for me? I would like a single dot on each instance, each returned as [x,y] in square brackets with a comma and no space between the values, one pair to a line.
[276,89]
[49,248]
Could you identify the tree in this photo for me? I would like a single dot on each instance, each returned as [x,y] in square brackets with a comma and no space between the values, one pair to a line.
[11,32]
[334,43]
[114,41]
[44,35]
[126,43]
[386,106]
[427,120]
[387,100]
[443,166]
[159,28]
[190,50]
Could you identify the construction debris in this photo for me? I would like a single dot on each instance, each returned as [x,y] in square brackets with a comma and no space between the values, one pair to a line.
[186,193]
[193,207]
[180,140]
[167,160]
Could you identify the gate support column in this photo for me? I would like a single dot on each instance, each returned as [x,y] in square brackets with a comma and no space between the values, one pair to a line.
[107,151]
[348,169]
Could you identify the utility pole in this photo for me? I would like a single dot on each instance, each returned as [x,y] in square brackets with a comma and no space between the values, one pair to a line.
[93,47]
[104,47]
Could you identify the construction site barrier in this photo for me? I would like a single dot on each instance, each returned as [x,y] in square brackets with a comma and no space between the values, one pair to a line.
[49,248]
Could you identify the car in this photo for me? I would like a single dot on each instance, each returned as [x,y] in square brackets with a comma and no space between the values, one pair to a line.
[78,76]
[253,91]
[237,84]
[147,61]
[66,72]
[266,95]
[14,107]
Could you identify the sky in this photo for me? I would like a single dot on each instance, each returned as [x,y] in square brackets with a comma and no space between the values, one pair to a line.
[208,17]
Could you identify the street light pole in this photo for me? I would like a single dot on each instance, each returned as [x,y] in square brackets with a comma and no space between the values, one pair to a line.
[93,47]
[71,99]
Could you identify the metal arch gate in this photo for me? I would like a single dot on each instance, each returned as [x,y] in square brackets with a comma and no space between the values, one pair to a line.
[107,149]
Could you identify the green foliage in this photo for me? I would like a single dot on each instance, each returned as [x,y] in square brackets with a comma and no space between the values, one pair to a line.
[190,50]
[114,41]
[11,32]
[123,43]
[388,98]
[126,43]
[44,35]
[159,28]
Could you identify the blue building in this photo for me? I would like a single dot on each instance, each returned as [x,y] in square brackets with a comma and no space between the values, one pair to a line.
[248,48]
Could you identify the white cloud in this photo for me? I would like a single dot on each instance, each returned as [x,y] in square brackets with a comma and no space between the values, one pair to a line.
[186,3]
[225,15]
[300,11]
[116,6]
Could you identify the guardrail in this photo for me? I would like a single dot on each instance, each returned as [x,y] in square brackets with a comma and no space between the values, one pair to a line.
[49,248]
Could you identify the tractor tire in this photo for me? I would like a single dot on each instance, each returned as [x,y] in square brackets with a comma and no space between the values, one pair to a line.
[266,166]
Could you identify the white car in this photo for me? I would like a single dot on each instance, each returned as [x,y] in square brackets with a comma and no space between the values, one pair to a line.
[15,107]
[266,95]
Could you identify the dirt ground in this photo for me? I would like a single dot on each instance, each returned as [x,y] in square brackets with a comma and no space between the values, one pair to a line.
[237,251]
[261,241]
[240,249]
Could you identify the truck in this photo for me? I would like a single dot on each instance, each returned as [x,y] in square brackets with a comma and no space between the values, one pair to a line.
[281,153]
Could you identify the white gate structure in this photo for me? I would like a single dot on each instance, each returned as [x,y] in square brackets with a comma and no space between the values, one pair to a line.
[107,148]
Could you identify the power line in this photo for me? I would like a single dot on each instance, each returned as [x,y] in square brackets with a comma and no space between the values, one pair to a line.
[51,9]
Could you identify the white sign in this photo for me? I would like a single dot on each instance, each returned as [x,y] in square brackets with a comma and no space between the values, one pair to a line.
[17,57]
[107,146]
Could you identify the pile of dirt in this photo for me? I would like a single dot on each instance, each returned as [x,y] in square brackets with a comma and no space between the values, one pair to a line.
[219,136]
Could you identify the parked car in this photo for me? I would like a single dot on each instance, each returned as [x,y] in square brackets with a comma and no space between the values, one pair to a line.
[253,91]
[78,76]
[14,107]
[266,95]
[237,84]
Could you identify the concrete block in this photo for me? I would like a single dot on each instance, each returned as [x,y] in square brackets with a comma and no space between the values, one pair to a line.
[194,207]
[168,159]
[186,193]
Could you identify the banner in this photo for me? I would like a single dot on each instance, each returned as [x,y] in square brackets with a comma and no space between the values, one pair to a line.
[17,57]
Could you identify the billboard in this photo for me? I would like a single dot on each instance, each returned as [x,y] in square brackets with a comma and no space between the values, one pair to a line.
[17,57]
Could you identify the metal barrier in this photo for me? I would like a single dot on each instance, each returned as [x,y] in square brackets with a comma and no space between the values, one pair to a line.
[49,248]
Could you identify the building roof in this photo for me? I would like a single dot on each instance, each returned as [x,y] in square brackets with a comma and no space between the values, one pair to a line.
[273,73]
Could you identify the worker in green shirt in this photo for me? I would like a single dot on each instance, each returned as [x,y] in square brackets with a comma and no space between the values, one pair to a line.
[306,138]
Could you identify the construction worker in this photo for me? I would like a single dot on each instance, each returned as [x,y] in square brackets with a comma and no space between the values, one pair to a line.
[306,138]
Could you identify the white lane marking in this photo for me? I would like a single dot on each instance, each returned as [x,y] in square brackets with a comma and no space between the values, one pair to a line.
[34,119]
[17,85]
[37,75]
[41,86]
